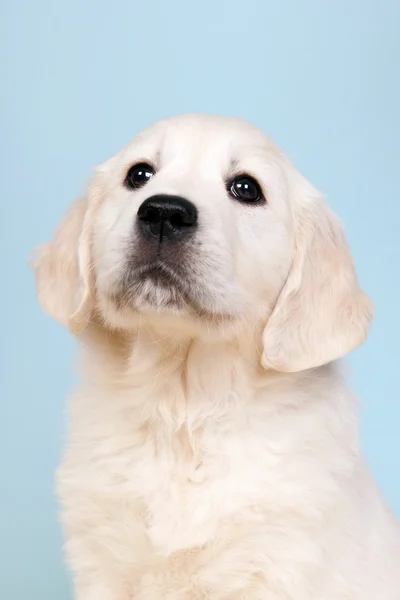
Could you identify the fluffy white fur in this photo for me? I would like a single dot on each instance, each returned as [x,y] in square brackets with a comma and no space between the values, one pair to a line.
[213,447]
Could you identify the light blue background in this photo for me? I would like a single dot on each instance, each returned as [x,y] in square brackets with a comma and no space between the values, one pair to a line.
[80,78]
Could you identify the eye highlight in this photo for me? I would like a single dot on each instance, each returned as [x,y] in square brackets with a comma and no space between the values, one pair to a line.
[138,175]
[245,189]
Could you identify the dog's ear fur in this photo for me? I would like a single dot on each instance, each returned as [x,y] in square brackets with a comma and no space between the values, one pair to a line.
[63,266]
[321,313]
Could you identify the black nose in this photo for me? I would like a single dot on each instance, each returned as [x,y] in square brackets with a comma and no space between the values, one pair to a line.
[167,217]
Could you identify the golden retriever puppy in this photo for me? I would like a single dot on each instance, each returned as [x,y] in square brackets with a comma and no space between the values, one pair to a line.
[213,449]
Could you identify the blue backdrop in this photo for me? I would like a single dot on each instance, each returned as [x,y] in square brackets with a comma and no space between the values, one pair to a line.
[80,78]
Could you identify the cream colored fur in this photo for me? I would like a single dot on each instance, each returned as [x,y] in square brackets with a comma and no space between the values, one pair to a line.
[213,449]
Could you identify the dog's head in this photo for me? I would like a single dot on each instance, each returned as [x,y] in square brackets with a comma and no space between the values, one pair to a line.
[201,224]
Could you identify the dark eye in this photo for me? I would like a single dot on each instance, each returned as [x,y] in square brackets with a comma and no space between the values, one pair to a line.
[138,176]
[246,189]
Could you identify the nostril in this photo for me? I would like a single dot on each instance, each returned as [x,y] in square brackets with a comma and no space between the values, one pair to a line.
[176,220]
[179,219]
[151,215]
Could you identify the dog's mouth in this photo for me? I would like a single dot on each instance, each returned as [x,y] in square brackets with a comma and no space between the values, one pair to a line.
[160,274]
[158,288]
[154,287]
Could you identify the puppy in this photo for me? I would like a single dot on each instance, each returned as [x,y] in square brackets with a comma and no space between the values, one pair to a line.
[213,447]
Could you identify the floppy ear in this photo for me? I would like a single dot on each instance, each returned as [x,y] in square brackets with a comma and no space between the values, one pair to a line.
[63,266]
[321,313]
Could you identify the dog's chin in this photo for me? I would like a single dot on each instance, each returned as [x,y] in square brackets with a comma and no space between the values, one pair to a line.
[155,288]
[152,291]
[157,296]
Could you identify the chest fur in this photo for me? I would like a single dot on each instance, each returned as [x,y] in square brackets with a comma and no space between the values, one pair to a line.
[182,451]
[180,485]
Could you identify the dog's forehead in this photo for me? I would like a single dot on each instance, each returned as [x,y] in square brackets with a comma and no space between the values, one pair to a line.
[192,137]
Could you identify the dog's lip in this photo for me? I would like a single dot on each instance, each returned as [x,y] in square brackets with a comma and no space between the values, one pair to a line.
[162,274]
[159,269]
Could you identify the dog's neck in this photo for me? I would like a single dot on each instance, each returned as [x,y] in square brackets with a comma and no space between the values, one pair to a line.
[178,378]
